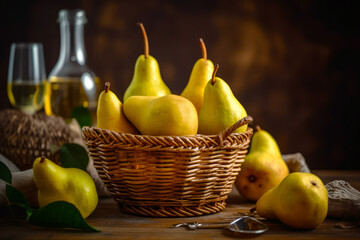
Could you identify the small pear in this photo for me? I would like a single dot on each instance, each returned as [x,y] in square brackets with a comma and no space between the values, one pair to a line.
[299,201]
[263,167]
[169,115]
[147,79]
[110,113]
[200,75]
[220,109]
[262,141]
[72,185]
[264,205]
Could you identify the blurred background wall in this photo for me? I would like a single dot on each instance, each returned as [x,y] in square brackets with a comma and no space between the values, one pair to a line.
[294,65]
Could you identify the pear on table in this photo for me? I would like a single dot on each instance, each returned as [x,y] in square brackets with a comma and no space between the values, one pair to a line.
[220,109]
[169,115]
[200,75]
[147,79]
[299,201]
[110,113]
[72,185]
[263,141]
[263,167]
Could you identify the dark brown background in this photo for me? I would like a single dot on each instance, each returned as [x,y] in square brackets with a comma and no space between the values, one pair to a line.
[294,65]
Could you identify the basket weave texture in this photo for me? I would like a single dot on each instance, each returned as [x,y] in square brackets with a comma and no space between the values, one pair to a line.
[168,176]
[25,137]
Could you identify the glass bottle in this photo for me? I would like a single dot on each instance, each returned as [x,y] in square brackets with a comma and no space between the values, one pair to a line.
[71,83]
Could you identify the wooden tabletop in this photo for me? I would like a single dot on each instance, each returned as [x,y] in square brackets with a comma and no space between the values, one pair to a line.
[116,225]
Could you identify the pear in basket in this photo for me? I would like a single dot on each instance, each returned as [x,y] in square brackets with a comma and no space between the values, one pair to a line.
[220,109]
[110,114]
[147,79]
[263,167]
[169,115]
[200,75]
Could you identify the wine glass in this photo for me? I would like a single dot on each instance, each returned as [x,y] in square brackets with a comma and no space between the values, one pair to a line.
[26,77]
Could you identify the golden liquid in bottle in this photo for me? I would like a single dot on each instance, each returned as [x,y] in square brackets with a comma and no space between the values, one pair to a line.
[26,96]
[64,94]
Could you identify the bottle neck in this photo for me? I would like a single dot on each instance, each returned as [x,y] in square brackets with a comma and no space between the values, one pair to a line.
[72,49]
[72,57]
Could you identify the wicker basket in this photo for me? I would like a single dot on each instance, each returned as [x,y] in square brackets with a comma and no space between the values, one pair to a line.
[25,137]
[164,176]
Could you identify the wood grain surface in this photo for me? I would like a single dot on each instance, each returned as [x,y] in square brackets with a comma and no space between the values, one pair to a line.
[116,225]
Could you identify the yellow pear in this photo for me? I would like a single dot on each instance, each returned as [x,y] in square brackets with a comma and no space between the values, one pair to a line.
[72,185]
[220,109]
[263,167]
[169,115]
[110,113]
[259,173]
[264,205]
[200,75]
[299,201]
[263,141]
[147,79]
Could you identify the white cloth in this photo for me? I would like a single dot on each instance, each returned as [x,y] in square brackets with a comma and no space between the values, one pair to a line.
[344,200]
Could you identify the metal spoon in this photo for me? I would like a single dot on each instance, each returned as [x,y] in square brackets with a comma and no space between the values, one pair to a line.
[244,225]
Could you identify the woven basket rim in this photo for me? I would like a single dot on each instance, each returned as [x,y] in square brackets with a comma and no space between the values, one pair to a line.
[224,139]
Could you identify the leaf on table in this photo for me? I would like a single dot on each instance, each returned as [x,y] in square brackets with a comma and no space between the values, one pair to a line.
[60,214]
[82,115]
[19,205]
[73,155]
[5,173]
[18,212]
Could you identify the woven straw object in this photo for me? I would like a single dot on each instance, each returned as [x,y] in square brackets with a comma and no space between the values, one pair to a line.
[25,137]
[168,176]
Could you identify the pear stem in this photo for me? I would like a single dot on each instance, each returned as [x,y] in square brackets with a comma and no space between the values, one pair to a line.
[203,48]
[107,87]
[214,74]
[146,41]
[42,159]
[258,128]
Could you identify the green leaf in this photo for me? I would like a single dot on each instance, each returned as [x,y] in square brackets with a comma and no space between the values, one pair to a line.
[73,155]
[18,204]
[17,198]
[5,173]
[19,212]
[82,115]
[60,214]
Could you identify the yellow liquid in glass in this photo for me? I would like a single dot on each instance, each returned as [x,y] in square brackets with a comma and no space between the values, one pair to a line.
[26,96]
[64,94]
